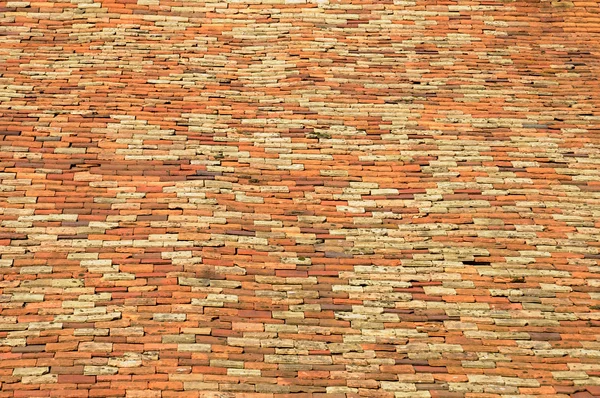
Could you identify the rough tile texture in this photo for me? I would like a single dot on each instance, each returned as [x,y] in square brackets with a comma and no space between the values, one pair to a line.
[299,198]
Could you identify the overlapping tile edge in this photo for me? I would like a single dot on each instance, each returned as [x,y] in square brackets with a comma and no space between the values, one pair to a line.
[299,198]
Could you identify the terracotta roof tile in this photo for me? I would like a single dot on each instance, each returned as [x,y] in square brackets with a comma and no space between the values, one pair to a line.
[299,198]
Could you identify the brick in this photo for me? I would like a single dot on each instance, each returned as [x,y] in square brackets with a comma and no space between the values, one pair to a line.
[76,379]
[95,347]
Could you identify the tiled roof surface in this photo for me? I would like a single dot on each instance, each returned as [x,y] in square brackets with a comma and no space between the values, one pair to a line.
[325,198]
